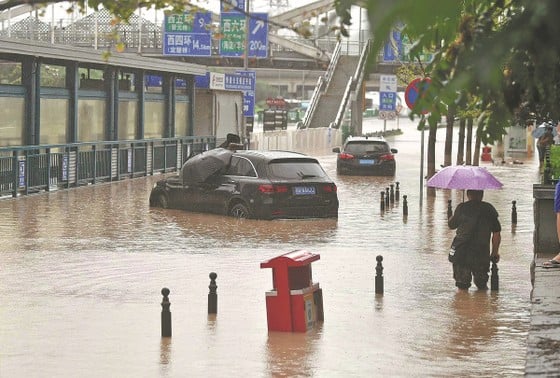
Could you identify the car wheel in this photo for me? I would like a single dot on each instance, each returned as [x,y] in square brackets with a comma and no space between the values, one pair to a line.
[162,201]
[239,211]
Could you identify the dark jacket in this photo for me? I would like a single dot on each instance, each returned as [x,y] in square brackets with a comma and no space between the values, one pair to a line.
[475,222]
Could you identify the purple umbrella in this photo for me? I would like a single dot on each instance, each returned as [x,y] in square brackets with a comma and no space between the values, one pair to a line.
[464,177]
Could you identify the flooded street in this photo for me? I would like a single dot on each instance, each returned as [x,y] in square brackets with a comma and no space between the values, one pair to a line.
[81,272]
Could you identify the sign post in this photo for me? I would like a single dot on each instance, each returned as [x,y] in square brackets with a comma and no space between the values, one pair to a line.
[413,92]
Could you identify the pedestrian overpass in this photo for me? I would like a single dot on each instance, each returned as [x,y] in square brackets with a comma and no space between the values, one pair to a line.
[332,69]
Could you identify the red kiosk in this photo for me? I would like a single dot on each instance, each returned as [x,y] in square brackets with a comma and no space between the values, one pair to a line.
[295,303]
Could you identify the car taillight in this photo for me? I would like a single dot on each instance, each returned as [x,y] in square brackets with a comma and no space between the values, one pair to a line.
[387,157]
[331,188]
[345,156]
[270,189]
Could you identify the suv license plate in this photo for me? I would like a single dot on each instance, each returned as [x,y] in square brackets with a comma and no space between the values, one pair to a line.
[304,190]
[367,162]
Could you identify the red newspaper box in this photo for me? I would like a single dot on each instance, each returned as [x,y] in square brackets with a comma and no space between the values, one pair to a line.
[486,153]
[295,302]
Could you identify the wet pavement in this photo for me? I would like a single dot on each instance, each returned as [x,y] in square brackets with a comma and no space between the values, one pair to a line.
[543,342]
[82,270]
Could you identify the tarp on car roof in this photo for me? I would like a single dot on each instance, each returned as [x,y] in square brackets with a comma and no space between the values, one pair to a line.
[200,167]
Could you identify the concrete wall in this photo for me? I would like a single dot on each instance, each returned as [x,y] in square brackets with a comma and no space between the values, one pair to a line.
[316,141]
[545,239]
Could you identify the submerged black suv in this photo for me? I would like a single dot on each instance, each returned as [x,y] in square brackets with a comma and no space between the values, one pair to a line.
[366,156]
[250,184]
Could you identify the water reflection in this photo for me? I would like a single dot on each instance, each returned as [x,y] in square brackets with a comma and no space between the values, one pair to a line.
[472,323]
[222,231]
[165,352]
[292,354]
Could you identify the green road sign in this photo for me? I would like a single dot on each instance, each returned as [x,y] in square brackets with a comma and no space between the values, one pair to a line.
[233,34]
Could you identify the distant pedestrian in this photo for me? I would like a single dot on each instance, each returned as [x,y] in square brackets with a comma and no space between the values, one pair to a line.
[544,142]
[478,234]
[530,139]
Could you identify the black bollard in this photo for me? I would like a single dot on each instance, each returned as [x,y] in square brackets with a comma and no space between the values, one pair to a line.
[449,209]
[405,206]
[387,197]
[392,193]
[513,212]
[165,314]
[379,275]
[212,296]
[397,192]
[382,201]
[494,279]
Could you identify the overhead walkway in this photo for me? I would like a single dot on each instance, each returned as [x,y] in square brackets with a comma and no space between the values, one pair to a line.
[295,17]
[16,11]
[336,91]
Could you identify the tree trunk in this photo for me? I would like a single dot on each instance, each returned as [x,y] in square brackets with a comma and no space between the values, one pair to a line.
[449,136]
[461,142]
[468,157]
[476,152]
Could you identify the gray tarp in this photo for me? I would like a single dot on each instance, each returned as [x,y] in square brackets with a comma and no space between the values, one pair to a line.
[198,168]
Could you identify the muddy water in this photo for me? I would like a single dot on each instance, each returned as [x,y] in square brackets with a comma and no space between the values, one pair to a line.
[81,274]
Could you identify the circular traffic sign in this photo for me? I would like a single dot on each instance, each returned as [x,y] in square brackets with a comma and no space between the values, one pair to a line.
[415,90]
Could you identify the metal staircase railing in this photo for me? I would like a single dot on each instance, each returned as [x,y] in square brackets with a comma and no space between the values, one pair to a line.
[322,85]
[353,82]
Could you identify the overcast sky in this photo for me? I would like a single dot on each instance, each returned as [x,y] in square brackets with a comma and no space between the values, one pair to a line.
[58,10]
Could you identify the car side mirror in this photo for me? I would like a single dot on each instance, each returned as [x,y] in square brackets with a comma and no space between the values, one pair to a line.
[394,150]
[336,149]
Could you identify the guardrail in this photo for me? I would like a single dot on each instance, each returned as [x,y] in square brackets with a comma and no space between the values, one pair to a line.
[31,169]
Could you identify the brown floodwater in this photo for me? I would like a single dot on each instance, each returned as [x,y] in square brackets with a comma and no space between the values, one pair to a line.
[81,272]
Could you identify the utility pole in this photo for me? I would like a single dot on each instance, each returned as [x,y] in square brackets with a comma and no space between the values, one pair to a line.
[246,52]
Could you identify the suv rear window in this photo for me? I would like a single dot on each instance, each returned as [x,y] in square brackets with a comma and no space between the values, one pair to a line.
[293,169]
[362,147]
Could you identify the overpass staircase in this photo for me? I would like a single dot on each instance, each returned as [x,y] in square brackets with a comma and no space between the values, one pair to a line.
[338,90]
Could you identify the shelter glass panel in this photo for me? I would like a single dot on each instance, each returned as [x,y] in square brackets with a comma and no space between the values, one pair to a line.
[91,78]
[91,120]
[154,119]
[126,82]
[11,121]
[53,76]
[128,117]
[10,72]
[181,87]
[181,118]
[54,121]
[153,83]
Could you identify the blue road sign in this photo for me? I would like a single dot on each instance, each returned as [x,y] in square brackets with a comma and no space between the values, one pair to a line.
[258,35]
[244,81]
[387,101]
[234,33]
[188,35]
[393,49]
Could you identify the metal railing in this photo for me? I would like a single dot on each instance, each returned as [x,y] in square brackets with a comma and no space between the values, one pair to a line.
[354,82]
[32,169]
[322,85]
